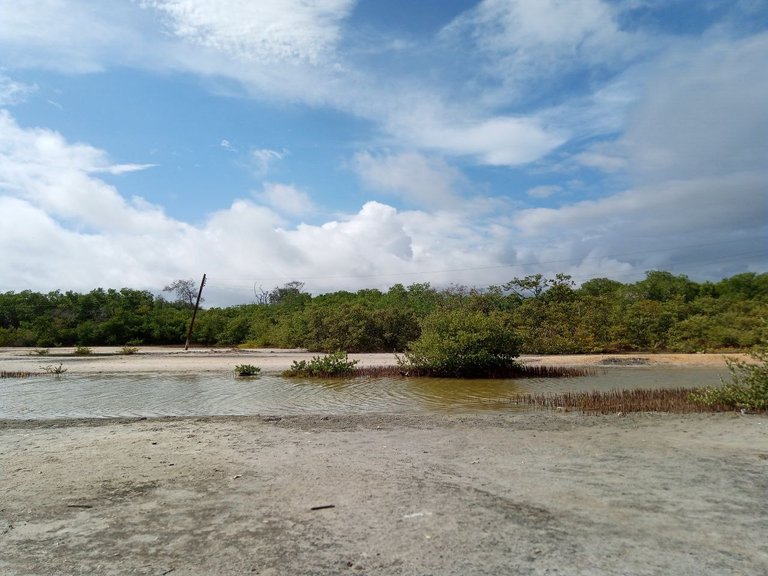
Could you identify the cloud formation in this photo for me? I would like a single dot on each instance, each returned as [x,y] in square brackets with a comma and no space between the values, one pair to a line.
[667,133]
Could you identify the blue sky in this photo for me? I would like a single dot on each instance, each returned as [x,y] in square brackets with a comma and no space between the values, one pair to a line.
[353,144]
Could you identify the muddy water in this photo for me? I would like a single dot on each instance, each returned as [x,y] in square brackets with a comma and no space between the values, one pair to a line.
[105,395]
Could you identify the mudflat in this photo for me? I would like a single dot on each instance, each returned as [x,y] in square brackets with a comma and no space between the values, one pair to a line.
[512,493]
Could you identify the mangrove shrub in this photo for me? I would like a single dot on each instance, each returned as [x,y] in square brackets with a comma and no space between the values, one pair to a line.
[463,343]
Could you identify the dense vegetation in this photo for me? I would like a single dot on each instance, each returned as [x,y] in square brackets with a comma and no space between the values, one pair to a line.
[663,312]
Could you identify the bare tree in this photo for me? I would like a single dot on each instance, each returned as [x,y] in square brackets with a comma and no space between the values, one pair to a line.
[185,291]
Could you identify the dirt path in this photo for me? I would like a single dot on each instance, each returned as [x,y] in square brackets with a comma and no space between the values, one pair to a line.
[493,494]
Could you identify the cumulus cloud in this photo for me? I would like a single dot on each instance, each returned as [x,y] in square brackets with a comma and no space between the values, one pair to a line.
[61,227]
[286,199]
[41,167]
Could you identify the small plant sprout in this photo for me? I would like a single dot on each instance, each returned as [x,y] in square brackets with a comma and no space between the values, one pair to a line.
[54,370]
[247,370]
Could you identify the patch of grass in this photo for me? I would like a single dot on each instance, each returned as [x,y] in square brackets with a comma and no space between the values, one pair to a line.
[39,352]
[83,351]
[128,350]
[54,370]
[677,400]
[17,374]
[247,370]
[329,366]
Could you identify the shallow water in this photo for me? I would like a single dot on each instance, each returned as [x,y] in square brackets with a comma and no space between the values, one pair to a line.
[105,395]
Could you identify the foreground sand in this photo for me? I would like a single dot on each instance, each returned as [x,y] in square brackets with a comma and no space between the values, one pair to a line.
[493,494]
[170,359]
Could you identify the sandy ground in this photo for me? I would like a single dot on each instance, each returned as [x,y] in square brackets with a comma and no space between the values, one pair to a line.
[516,493]
[169,359]
[492,494]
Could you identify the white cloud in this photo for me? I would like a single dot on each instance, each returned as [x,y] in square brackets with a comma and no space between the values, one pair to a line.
[529,41]
[286,199]
[543,191]
[42,168]
[695,125]
[71,35]
[263,158]
[494,140]
[12,91]
[259,31]
[415,178]
[118,169]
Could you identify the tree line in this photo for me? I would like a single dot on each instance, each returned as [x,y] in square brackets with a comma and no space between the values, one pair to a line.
[662,312]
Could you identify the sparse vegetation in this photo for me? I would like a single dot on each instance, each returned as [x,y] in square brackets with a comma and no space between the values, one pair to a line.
[677,400]
[747,388]
[128,350]
[16,374]
[247,370]
[39,352]
[55,370]
[329,366]
[83,351]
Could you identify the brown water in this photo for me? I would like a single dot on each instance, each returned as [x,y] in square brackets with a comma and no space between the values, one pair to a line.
[105,395]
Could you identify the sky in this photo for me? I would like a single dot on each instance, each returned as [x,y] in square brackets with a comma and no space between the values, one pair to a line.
[353,144]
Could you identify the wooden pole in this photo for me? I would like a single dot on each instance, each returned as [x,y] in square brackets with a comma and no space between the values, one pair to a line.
[194,313]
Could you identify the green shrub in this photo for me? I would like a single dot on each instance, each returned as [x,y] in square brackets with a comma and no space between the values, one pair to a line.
[463,343]
[83,351]
[336,364]
[247,370]
[748,387]
[128,350]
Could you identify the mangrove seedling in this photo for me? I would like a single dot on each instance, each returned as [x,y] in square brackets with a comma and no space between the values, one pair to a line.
[332,365]
[247,370]
[55,370]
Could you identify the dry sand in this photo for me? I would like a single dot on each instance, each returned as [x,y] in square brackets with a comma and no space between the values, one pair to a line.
[530,493]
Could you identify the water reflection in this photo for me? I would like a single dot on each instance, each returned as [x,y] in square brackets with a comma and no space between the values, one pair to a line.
[108,395]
